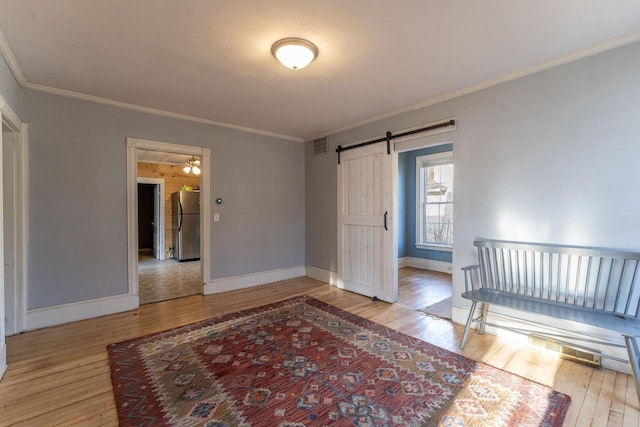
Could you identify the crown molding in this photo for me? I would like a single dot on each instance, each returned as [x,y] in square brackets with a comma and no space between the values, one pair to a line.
[155,111]
[11,61]
[22,81]
[565,59]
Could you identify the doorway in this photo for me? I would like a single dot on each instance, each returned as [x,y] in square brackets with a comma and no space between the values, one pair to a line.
[156,173]
[165,184]
[12,227]
[425,203]
[12,233]
[147,240]
[151,213]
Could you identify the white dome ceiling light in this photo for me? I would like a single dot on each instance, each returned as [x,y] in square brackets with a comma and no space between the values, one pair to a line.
[294,53]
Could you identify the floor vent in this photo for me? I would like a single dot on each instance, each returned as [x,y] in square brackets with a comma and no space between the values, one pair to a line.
[320,146]
[575,353]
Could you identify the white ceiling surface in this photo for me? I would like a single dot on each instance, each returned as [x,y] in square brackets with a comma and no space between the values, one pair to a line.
[211,59]
[148,156]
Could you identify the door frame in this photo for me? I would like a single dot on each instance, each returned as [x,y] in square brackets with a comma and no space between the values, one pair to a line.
[133,144]
[158,213]
[9,118]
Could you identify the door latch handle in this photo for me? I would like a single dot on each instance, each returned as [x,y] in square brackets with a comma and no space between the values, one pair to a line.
[385,220]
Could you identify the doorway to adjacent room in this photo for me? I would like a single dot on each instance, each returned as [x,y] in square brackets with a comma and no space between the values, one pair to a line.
[166,227]
[163,181]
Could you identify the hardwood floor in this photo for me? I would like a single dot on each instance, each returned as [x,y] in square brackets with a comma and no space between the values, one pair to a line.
[60,375]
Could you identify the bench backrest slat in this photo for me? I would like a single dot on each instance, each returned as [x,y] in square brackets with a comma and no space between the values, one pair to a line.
[633,282]
[593,279]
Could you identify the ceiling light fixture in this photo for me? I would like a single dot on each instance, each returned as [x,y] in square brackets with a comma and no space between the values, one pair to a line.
[193,165]
[294,53]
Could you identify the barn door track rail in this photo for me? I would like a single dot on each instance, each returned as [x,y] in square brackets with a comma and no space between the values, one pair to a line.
[389,136]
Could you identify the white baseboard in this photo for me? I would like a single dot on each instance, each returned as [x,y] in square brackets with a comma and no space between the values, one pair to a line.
[325,276]
[459,314]
[232,283]
[425,264]
[3,360]
[65,313]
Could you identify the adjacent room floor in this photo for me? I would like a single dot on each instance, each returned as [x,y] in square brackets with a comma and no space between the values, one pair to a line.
[161,280]
[419,288]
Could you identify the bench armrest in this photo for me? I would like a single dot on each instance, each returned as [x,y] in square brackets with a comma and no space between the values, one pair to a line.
[471,277]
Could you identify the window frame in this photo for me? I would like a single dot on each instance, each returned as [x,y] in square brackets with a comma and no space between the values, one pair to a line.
[434,159]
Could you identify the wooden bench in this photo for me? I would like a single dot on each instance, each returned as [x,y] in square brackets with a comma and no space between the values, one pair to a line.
[592,286]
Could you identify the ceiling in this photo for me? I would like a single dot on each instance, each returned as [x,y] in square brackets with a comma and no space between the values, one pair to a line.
[148,156]
[210,61]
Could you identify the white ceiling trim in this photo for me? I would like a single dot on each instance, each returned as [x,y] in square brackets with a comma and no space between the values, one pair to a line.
[149,110]
[592,50]
[22,81]
[11,61]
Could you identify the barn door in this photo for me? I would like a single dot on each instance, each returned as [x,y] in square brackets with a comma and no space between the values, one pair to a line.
[367,242]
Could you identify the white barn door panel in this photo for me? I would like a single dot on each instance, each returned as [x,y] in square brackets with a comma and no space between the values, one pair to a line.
[367,242]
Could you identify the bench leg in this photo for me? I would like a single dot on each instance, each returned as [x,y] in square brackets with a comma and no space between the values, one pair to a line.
[466,328]
[634,359]
[483,316]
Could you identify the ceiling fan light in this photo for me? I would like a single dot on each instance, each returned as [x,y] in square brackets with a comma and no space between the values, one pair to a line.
[294,53]
[187,169]
[196,170]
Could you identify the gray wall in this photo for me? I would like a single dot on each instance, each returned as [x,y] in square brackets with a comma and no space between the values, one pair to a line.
[9,88]
[77,196]
[552,157]
[321,201]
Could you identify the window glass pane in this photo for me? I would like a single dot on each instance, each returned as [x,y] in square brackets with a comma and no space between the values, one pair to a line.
[433,212]
[435,224]
[433,198]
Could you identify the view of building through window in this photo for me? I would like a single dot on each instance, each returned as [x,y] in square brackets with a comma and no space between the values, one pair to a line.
[435,219]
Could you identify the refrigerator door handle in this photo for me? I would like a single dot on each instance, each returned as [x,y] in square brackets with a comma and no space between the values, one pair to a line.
[179,214]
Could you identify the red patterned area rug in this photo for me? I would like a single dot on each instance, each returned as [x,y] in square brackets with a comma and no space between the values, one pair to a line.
[302,362]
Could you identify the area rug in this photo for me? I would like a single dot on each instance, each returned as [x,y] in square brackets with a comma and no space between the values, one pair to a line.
[439,310]
[301,362]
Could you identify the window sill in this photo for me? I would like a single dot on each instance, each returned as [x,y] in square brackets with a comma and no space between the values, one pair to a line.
[442,248]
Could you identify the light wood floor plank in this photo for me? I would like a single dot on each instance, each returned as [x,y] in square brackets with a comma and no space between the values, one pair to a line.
[603,406]
[590,401]
[616,413]
[631,415]
[60,375]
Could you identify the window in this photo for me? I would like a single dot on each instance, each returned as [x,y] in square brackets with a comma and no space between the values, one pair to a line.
[434,219]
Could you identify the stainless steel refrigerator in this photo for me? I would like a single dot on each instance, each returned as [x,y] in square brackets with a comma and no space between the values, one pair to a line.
[186,225]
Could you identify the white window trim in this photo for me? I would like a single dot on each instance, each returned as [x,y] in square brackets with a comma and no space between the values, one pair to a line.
[446,156]
[442,248]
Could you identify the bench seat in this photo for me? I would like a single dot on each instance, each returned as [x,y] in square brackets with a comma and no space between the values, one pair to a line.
[615,322]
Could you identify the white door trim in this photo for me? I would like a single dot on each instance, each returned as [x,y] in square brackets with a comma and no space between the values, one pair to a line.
[158,215]
[133,144]
[11,119]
